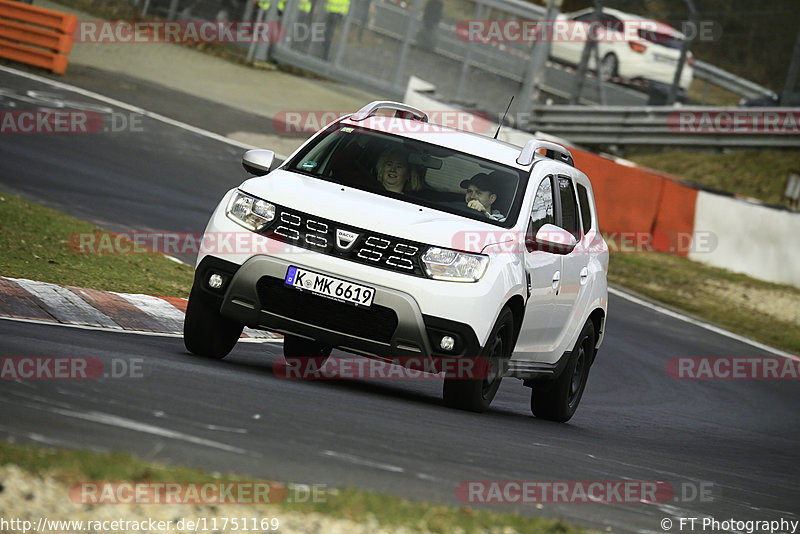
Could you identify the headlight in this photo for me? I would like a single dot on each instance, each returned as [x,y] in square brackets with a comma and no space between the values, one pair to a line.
[446,264]
[251,212]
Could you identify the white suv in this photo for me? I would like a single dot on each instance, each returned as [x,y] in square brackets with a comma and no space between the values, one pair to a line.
[489,252]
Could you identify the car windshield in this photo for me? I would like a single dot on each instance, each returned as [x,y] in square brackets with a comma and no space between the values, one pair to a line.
[414,171]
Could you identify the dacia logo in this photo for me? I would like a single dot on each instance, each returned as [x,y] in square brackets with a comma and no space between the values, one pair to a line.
[345,239]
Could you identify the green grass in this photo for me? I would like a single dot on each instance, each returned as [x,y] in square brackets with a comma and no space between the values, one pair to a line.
[707,94]
[757,174]
[733,301]
[35,243]
[79,466]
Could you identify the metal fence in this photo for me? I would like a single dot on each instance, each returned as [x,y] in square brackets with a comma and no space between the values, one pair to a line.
[671,126]
[379,44]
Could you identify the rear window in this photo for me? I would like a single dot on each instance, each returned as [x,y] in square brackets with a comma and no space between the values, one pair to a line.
[586,213]
[569,208]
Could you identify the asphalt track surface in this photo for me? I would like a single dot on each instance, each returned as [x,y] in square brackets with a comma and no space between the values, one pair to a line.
[738,440]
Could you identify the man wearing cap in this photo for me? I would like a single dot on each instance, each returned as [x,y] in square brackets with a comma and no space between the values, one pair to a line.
[481,194]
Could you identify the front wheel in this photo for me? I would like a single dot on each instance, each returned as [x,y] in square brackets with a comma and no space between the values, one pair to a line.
[476,394]
[205,331]
[557,400]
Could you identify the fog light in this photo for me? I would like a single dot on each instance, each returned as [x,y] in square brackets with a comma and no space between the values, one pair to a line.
[215,281]
[447,343]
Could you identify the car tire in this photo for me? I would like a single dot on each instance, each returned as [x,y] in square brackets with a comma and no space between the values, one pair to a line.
[557,400]
[476,395]
[304,356]
[609,67]
[205,331]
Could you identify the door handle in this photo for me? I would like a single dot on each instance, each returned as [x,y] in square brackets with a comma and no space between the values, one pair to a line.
[584,275]
[556,281]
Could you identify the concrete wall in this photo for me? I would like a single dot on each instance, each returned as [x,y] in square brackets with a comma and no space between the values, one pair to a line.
[753,239]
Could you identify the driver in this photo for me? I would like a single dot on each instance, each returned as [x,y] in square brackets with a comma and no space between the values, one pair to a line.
[482,194]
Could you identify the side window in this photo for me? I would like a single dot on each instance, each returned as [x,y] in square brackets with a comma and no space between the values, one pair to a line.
[569,207]
[543,211]
[586,214]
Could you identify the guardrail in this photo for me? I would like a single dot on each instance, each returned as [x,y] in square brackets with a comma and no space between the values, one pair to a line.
[711,74]
[36,36]
[671,126]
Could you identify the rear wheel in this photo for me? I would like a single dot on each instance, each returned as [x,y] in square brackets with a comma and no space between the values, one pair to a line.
[205,331]
[558,399]
[476,394]
[609,67]
[304,356]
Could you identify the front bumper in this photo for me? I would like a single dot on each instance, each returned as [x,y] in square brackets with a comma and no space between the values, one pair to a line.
[393,327]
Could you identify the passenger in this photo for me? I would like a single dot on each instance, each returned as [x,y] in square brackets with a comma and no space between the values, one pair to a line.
[396,174]
[482,194]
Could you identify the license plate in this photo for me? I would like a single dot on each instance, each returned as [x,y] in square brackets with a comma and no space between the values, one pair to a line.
[328,286]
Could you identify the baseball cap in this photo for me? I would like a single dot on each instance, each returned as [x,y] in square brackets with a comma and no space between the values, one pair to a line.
[482,181]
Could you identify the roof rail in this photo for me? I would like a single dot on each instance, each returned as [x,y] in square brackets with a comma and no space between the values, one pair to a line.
[552,151]
[402,110]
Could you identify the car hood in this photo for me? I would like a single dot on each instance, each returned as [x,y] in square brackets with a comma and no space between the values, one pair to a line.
[370,211]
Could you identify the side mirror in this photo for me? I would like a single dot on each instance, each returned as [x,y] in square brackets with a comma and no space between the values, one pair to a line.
[551,238]
[258,162]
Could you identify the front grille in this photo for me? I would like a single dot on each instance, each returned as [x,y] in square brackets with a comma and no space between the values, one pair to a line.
[346,242]
[377,323]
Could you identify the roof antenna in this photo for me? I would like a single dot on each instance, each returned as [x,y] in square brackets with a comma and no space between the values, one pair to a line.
[504,117]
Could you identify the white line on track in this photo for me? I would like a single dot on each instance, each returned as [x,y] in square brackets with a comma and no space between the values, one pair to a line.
[136,426]
[127,107]
[223,139]
[355,460]
[52,442]
[707,326]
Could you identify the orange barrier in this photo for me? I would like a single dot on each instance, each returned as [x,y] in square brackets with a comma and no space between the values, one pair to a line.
[635,200]
[673,229]
[35,35]
[627,197]
[15,31]
[38,16]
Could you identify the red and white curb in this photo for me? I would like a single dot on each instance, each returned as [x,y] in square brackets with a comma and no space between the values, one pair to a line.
[41,301]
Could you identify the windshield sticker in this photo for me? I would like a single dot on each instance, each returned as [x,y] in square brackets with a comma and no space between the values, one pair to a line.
[346,129]
[308,164]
